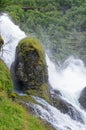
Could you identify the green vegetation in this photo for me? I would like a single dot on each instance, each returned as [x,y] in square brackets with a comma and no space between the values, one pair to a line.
[5,78]
[53,22]
[1,41]
[31,44]
[13,116]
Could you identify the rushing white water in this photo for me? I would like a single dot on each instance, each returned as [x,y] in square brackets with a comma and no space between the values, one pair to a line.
[59,120]
[70,79]
[11,35]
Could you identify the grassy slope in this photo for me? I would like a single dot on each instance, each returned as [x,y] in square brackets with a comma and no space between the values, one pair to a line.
[5,78]
[14,117]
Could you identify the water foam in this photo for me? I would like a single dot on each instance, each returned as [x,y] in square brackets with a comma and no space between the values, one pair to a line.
[11,34]
[71,79]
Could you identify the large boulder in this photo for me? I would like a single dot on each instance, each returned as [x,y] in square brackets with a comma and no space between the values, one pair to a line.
[82,98]
[30,68]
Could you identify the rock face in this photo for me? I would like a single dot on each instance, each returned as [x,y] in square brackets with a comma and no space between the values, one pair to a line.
[64,106]
[82,98]
[30,67]
[1,41]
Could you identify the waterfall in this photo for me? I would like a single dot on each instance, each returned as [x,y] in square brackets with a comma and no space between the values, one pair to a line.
[11,34]
[69,80]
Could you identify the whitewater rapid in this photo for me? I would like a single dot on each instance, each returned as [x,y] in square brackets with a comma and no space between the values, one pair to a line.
[69,79]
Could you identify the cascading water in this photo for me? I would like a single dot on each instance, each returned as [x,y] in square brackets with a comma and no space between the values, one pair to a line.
[11,35]
[69,80]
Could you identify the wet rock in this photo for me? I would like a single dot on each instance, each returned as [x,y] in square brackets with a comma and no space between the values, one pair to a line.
[82,98]
[65,107]
[31,69]
[55,92]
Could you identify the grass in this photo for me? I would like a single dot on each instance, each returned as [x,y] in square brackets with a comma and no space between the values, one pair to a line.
[12,115]
[5,78]
[15,117]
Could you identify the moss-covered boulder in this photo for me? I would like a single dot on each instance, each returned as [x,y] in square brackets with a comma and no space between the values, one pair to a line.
[6,83]
[1,41]
[30,68]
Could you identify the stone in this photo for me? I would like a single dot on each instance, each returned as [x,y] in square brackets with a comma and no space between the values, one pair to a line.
[30,68]
[64,106]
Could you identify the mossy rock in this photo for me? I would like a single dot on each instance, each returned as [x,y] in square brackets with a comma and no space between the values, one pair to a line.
[31,69]
[42,92]
[1,41]
[23,99]
[28,44]
[6,83]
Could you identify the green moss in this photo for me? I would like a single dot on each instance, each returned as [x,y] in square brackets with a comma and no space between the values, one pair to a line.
[26,98]
[13,95]
[5,78]
[1,41]
[27,44]
[41,92]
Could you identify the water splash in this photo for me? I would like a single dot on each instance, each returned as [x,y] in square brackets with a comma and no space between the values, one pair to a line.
[70,79]
[11,34]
